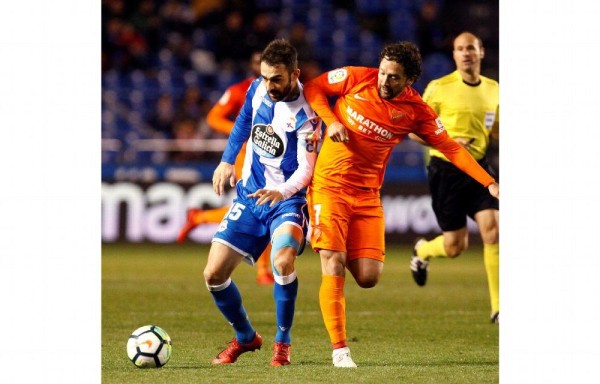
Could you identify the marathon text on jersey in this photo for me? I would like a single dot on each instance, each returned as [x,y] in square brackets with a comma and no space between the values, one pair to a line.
[368,126]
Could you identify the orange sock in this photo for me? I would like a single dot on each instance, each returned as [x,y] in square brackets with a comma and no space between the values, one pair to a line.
[211,215]
[333,308]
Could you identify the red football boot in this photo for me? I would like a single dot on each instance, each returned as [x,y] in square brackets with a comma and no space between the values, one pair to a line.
[281,354]
[235,349]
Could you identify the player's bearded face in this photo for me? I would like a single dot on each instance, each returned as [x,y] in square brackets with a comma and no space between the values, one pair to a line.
[391,79]
[279,82]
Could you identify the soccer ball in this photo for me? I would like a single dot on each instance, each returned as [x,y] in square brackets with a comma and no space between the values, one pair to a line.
[149,347]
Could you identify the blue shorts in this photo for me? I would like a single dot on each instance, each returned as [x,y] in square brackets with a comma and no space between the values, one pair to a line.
[247,228]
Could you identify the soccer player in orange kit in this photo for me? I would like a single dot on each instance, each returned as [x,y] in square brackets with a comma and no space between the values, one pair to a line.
[221,118]
[376,108]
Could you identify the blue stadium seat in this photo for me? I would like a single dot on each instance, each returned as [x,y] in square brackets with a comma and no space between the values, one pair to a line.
[165,59]
[110,79]
[412,6]
[267,4]
[191,78]
[136,100]
[347,43]
[436,65]
[295,3]
[345,21]
[225,78]
[371,7]
[402,26]
[370,47]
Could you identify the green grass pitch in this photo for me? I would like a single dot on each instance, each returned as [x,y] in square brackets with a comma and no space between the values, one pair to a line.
[397,331]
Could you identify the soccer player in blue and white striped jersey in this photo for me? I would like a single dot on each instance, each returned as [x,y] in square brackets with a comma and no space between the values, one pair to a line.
[282,132]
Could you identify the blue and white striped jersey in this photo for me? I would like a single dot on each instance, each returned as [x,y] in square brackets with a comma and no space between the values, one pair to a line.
[278,155]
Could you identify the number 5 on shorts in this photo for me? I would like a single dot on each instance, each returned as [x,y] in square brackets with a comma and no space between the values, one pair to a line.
[236,211]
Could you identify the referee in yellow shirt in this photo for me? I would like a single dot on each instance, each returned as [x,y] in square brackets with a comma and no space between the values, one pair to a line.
[467,103]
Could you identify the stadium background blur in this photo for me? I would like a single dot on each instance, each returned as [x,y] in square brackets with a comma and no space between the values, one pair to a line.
[166,62]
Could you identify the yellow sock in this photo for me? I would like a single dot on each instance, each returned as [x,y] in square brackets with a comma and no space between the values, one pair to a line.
[432,248]
[491,257]
[333,308]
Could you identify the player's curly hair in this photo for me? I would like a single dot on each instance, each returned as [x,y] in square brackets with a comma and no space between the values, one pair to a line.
[405,53]
[280,51]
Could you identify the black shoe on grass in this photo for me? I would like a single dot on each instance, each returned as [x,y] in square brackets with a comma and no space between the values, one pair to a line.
[418,266]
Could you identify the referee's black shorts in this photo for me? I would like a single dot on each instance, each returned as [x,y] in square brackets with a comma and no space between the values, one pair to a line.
[456,195]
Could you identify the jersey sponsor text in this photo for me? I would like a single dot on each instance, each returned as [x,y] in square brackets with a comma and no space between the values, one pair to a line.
[266,141]
[369,126]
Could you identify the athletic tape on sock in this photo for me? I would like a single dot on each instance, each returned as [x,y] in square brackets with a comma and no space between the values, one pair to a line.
[284,280]
[284,240]
[220,287]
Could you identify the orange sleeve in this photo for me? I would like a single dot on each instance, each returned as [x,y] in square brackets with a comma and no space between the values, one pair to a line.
[333,83]
[221,116]
[432,131]
[464,161]
[218,118]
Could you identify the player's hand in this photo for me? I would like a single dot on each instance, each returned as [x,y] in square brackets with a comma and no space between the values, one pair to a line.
[338,133]
[224,172]
[494,189]
[266,195]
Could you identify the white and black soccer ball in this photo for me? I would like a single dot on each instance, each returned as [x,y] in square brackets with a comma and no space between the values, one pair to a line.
[149,347]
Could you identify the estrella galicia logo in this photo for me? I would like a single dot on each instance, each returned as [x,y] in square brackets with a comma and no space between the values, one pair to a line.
[266,142]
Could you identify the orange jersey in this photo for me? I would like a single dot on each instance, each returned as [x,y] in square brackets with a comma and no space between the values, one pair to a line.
[375,126]
[222,115]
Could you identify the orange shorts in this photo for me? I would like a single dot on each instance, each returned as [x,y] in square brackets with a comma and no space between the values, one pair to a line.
[347,220]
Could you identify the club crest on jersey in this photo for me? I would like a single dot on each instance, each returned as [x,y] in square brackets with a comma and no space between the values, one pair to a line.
[397,115]
[266,142]
[336,75]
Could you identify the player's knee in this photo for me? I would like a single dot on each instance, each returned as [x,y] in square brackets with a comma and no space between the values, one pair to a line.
[367,281]
[455,249]
[213,277]
[284,261]
[333,262]
[283,253]
[490,235]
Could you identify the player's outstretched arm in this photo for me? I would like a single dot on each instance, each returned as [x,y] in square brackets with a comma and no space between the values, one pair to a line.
[224,172]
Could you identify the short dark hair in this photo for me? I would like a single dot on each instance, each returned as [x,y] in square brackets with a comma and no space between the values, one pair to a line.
[405,53]
[280,51]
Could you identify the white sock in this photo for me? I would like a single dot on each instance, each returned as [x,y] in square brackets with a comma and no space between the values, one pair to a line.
[339,351]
